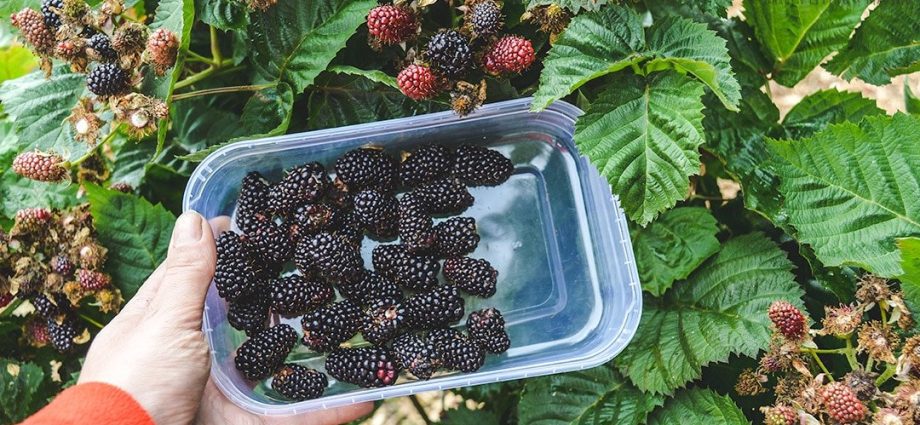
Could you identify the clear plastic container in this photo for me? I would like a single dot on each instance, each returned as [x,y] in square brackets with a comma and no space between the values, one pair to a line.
[568,286]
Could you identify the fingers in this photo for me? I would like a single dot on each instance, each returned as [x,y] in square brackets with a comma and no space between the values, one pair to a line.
[189,269]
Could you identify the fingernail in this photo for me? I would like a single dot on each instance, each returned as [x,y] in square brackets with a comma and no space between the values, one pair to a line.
[188,229]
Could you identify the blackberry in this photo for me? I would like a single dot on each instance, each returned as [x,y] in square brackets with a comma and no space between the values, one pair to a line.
[92,280]
[449,53]
[434,308]
[295,295]
[415,355]
[301,184]
[391,24]
[299,383]
[62,265]
[235,275]
[425,165]
[44,167]
[365,367]
[51,17]
[510,54]
[48,308]
[456,350]
[371,287]
[446,196]
[487,328]
[346,226]
[327,327]
[457,237]
[367,168]
[249,314]
[479,166]
[339,196]
[162,50]
[62,331]
[270,242]
[473,276]
[309,219]
[385,258]
[102,45]
[788,320]
[332,256]
[484,18]
[416,228]
[108,79]
[263,354]
[384,319]
[418,82]
[376,212]
[416,272]
[252,205]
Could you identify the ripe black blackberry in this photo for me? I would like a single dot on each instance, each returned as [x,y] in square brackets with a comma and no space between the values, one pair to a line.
[62,265]
[416,228]
[479,166]
[52,19]
[484,18]
[102,45]
[456,350]
[295,295]
[449,53]
[377,213]
[301,184]
[299,383]
[437,307]
[333,257]
[107,79]
[260,356]
[49,309]
[252,205]
[309,219]
[385,258]
[372,286]
[446,196]
[327,327]
[487,328]
[416,356]
[61,331]
[473,276]
[384,319]
[426,164]
[249,314]
[346,226]
[235,275]
[270,242]
[365,367]
[416,272]
[367,168]
[457,236]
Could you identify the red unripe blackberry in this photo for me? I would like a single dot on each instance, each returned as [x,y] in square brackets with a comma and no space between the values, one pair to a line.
[371,287]
[50,10]
[32,219]
[301,184]
[295,295]
[249,313]
[456,350]
[480,166]
[36,332]
[299,383]
[416,272]
[235,274]
[449,53]
[162,48]
[510,54]
[270,242]
[252,204]
[416,228]
[376,212]
[484,18]
[487,328]
[780,415]
[473,276]
[788,320]
[367,168]
[416,356]
[334,258]
[32,25]
[260,356]
[310,218]
[102,45]
[45,167]
[457,236]
[327,327]
[108,79]
[391,24]
[6,299]
[437,307]
[92,280]
[384,319]
[445,196]
[841,403]
[425,164]
[62,331]
[364,367]
[418,82]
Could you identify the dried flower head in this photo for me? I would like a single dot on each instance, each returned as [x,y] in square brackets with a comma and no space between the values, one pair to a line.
[750,383]
[109,300]
[139,113]
[466,97]
[552,18]
[790,387]
[909,360]
[841,320]
[74,291]
[907,397]
[129,41]
[862,383]
[889,416]
[899,311]
[85,122]
[878,341]
[872,289]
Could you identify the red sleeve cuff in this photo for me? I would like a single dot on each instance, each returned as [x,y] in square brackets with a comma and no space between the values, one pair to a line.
[92,403]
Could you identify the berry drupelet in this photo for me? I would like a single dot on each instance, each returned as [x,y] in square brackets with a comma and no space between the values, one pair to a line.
[50,9]
[327,327]
[51,307]
[376,212]
[385,258]
[332,256]
[62,331]
[416,228]
[479,166]
[449,53]
[456,350]
[364,367]
[270,242]
[418,82]
[509,55]
[416,272]
[841,403]
[391,24]
[416,356]
[299,383]
[473,276]
[36,32]
[260,356]
[437,307]
[447,196]
[235,274]
[309,219]
[295,295]
[457,237]
[162,50]
[487,328]
[372,286]
[92,280]
[367,168]
[108,79]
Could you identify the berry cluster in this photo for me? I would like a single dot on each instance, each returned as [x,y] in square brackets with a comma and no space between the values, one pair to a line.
[451,55]
[318,222]
[53,260]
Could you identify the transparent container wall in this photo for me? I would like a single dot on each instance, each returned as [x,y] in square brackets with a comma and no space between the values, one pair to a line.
[567,281]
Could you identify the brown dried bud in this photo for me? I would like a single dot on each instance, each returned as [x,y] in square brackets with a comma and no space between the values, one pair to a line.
[129,41]
[109,300]
[909,360]
[552,19]
[750,383]
[889,416]
[32,25]
[261,5]
[872,289]
[466,97]
[789,388]
[899,311]
[862,383]
[139,113]
[878,341]
[162,48]
[74,292]
[45,167]
[841,320]
[92,256]
[85,122]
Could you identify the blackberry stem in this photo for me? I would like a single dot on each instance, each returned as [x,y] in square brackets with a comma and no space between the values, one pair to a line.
[93,150]
[91,320]
[229,89]
[192,56]
[420,409]
[11,307]
[890,370]
[194,78]
[215,47]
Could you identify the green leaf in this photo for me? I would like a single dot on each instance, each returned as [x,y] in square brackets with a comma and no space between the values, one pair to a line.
[40,107]
[911,101]
[294,40]
[852,189]
[747,58]
[643,136]
[824,107]
[464,416]
[887,43]
[16,61]
[177,16]
[720,310]
[699,407]
[910,263]
[224,15]
[592,396]
[374,75]
[572,5]
[20,390]
[673,246]
[798,35]
[135,231]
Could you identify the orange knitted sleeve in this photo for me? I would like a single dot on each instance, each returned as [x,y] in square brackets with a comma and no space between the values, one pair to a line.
[92,403]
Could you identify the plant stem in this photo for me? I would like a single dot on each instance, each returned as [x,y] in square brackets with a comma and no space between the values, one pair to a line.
[821,365]
[851,355]
[825,350]
[230,89]
[882,308]
[215,47]
[890,370]
[194,78]
[11,307]
[420,409]
[98,146]
[190,55]
[91,321]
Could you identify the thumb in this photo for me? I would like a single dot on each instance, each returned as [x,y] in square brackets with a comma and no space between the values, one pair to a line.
[189,268]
